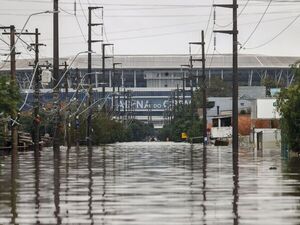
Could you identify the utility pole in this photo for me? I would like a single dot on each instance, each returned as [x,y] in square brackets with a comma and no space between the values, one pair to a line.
[183,88]
[90,98]
[78,104]
[104,57]
[124,105]
[14,129]
[57,128]
[37,79]
[114,84]
[67,119]
[119,105]
[191,60]
[184,79]
[177,91]
[14,114]
[191,78]
[204,95]
[234,33]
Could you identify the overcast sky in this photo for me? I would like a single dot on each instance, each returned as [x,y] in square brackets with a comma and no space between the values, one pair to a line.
[159,26]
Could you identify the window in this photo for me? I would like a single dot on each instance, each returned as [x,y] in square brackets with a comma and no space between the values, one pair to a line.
[215,122]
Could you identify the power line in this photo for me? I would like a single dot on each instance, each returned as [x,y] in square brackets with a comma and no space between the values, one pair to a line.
[83,12]
[166,26]
[240,13]
[277,35]
[209,17]
[259,22]
[81,31]
[257,2]
[295,10]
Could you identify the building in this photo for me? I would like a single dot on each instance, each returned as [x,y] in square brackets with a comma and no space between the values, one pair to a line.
[152,80]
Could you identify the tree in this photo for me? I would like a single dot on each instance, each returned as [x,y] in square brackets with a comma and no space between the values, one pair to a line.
[185,121]
[9,100]
[288,102]
[271,83]
[219,88]
[9,96]
[289,105]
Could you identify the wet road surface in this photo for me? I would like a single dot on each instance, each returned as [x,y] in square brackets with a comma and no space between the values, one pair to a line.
[150,183]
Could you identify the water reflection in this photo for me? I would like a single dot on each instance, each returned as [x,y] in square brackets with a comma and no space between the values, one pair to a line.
[90,185]
[204,176]
[56,179]
[37,156]
[149,183]
[103,185]
[13,189]
[235,166]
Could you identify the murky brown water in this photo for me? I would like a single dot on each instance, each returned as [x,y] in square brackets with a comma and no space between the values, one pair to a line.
[149,183]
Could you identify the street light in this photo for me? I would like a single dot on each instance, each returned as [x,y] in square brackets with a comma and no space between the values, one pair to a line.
[62,77]
[35,14]
[23,28]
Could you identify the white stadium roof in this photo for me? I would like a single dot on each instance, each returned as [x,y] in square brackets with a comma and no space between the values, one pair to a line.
[169,61]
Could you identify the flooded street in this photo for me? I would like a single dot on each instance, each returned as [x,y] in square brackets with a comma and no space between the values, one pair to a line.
[150,183]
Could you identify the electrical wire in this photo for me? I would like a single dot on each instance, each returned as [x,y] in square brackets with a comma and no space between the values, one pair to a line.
[85,16]
[240,13]
[81,31]
[257,25]
[209,17]
[30,85]
[277,35]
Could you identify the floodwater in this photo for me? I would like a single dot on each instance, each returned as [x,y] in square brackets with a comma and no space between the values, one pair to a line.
[150,183]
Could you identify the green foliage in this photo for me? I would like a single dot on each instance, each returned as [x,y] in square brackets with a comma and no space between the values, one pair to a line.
[219,88]
[106,130]
[139,131]
[9,96]
[289,104]
[270,83]
[26,124]
[9,100]
[185,121]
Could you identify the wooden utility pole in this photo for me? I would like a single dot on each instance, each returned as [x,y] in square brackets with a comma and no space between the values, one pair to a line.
[204,97]
[78,104]
[90,98]
[37,79]
[57,127]
[36,68]
[183,88]
[104,57]
[14,128]
[204,93]
[14,114]
[235,94]
[68,122]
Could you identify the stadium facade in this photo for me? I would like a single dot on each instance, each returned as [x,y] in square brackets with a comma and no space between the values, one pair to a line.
[151,80]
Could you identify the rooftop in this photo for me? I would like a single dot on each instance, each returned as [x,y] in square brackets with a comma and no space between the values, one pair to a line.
[170,61]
